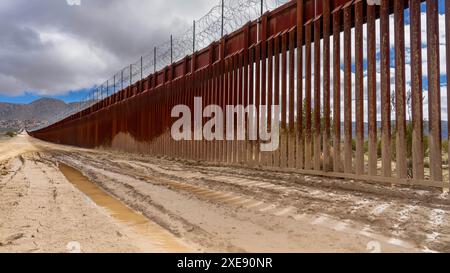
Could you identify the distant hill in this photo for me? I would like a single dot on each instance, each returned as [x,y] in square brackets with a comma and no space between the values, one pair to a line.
[20,116]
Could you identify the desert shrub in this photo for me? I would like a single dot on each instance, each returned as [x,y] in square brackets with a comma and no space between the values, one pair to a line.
[445,146]
[10,134]
[379,148]
[366,146]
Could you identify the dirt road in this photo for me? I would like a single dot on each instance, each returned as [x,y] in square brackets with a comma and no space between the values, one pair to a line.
[192,206]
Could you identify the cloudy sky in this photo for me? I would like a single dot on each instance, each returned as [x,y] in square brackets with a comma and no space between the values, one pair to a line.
[48,47]
[51,48]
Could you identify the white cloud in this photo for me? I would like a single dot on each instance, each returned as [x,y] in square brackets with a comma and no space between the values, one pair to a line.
[49,47]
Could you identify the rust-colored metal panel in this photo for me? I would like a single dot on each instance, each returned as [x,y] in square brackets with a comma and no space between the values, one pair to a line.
[212,90]
[224,103]
[160,78]
[267,158]
[238,142]
[282,19]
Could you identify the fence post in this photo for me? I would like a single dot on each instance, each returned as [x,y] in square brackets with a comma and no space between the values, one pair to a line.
[300,142]
[193,38]
[434,97]
[131,74]
[385,90]
[221,35]
[447,42]
[154,59]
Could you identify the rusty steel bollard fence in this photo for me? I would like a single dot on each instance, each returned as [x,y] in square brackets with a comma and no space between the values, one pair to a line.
[346,111]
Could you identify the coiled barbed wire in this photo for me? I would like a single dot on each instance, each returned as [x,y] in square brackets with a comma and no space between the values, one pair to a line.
[207,29]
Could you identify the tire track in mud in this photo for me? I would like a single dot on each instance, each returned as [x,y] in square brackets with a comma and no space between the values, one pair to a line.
[127,193]
[322,219]
[51,214]
[9,169]
[360,210]
[422,200]
[365,212]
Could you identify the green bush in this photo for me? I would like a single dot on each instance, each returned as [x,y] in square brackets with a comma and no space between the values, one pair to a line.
[445,146]
[379,148]
[11,134]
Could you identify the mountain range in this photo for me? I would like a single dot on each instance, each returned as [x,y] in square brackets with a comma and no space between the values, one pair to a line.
[19,116]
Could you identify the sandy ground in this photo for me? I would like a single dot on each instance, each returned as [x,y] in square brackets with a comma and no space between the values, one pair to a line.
[192,206]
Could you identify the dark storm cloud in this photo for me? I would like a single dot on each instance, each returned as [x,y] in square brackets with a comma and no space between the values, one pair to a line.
[49,47]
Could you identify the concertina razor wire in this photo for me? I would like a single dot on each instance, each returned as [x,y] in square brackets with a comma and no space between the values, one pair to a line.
[209,28]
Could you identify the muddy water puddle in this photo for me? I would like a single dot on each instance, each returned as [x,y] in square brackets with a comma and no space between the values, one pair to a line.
[156,238]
